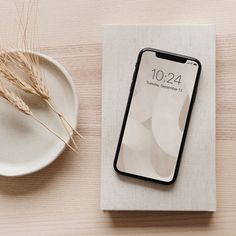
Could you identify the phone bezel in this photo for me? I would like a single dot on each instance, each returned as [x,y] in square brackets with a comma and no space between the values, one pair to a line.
[168,56]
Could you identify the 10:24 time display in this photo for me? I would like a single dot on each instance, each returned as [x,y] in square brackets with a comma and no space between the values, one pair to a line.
[169,78]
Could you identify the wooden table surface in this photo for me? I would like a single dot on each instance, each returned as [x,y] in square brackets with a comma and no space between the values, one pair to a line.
[63,199]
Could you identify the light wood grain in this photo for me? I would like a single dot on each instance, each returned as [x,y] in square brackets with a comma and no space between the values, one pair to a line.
[63,199]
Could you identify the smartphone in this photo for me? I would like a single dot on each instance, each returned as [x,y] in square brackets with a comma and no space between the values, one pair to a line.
[157,115]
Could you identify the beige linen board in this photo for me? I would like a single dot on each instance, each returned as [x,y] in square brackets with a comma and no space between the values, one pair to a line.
[195,188]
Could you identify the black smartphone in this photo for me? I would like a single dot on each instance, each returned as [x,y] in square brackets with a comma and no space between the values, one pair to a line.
[157,115]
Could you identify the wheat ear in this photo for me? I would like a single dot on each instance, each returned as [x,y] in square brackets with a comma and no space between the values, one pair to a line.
[18,103]
[34,77]
[14,79]
[14,100]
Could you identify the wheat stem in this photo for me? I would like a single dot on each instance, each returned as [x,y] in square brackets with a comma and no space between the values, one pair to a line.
[61,116]
[67,144]
[68,132]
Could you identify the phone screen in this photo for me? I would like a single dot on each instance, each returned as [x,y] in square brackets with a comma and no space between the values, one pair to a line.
[156,120]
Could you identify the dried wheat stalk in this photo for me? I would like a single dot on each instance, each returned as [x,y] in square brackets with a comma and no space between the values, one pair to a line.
[18,103]
[30,65]
[37,86]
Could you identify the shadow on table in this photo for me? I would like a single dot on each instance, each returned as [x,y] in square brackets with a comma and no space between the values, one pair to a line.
[171,220]
[23,185]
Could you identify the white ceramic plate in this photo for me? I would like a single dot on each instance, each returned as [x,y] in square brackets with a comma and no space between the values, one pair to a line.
[27,146]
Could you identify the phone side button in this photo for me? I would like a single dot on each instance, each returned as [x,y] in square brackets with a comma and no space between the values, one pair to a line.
[131,85]
[194,96]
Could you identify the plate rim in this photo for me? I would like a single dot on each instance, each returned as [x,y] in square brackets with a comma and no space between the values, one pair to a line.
[76,107]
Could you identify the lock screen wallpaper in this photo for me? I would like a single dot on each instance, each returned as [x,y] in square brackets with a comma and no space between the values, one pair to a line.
[157,117]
